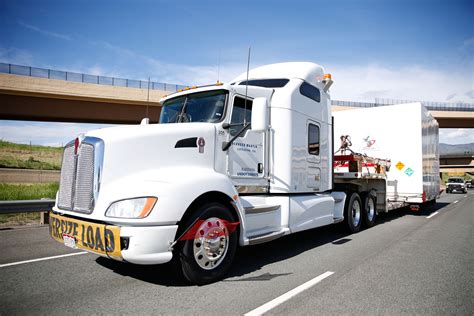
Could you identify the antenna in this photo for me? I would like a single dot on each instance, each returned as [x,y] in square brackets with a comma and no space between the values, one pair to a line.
[246,88]
[218,66]
[148,98]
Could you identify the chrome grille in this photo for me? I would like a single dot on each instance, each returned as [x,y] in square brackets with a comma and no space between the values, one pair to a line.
[80,176]
[68,172]
[84,197]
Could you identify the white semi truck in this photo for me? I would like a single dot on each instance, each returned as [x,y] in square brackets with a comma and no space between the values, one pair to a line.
[239,164]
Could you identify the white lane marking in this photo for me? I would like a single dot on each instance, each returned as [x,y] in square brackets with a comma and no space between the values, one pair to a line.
[455,201]
[282,298]
[41,259]
[433,214]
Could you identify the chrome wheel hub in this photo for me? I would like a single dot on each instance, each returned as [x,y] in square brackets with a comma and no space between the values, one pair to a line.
[211,242]
[355,213]
[371,210]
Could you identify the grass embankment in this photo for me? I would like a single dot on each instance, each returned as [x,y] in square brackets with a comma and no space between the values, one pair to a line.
[36,191]
[446,175]
[29,156]
[23,156]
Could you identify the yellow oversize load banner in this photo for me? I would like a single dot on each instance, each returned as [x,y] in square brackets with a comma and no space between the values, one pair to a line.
[98,238]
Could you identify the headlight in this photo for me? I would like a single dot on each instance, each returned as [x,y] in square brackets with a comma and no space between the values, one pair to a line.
[132,208]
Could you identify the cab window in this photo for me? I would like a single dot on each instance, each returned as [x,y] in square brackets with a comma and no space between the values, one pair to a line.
[241,112]
[313,139]
[310,91]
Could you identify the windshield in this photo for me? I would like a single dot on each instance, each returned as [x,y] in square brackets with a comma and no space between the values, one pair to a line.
[206,106]
[456,180]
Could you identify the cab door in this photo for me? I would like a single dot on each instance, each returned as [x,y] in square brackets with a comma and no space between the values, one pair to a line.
[247,158]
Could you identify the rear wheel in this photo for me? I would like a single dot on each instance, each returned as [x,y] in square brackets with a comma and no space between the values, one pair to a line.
[207,253]
[370,209]
[352,212]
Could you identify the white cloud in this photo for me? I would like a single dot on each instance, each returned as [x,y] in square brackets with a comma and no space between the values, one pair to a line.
[456,136]
[45,32]
[468,42]
[17,56]
[367,82]
[96,70]
[40,133]
[174,73]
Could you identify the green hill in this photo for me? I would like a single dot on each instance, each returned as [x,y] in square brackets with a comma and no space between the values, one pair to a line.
[23,156]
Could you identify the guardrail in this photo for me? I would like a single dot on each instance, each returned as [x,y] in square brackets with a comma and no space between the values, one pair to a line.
[9,207]
[86,78]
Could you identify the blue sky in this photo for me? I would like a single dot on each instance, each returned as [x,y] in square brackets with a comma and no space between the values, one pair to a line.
[415,50]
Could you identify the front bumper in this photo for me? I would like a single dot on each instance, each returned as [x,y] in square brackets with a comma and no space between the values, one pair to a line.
[145,244]
[456,188]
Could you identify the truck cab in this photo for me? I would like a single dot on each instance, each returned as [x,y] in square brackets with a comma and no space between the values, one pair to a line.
[228,164]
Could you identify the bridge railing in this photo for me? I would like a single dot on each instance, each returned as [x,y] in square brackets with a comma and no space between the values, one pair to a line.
[432,106]
[86,78]
[141,84]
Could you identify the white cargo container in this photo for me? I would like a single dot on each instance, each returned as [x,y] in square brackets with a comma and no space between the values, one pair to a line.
[406,134]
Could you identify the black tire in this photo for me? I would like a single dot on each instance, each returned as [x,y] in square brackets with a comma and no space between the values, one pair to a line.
[369,213]
[447,191]
[352,212]
[201,271]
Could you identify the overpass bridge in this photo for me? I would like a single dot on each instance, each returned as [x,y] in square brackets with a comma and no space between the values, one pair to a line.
[29,93]
[457,163]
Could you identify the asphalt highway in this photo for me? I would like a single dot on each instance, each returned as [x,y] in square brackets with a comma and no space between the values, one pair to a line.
[409,263]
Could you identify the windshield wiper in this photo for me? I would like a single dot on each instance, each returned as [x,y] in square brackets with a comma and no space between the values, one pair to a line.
[181,113]
[226,145]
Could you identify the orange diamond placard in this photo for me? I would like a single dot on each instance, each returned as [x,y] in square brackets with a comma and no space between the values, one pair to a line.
[400,165]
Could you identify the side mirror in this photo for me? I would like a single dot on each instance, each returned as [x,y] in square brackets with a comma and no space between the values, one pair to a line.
[259,115]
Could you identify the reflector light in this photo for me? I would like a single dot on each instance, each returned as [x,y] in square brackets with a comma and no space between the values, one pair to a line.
[76,145]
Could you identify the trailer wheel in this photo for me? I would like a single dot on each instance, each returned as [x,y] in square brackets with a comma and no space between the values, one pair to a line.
[370,209]
[209,247]
[352,213]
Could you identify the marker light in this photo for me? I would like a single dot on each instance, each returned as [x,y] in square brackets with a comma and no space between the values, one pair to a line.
[327,76]
[76,145]
[131,208]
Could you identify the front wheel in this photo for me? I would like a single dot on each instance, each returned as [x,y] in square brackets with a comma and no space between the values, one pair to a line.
[207,252]
[352,213]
